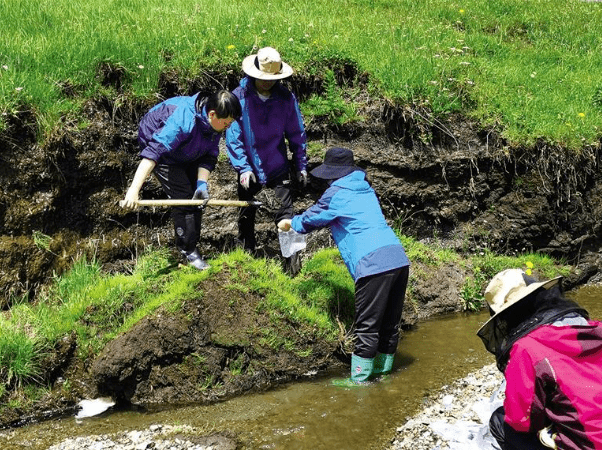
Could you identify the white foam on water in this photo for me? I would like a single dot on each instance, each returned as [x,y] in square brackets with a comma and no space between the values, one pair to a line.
[91,408]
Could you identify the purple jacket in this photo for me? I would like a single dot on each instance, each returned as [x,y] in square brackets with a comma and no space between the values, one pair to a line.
[256,142]
[177,131]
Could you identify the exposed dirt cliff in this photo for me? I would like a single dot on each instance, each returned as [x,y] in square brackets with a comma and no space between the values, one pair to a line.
[449,180]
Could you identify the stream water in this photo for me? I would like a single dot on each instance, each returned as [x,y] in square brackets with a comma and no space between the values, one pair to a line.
[314,414]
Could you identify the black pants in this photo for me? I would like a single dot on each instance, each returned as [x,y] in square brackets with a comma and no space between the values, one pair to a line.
[510,439]
[378,306]
[246,218]
[179,182]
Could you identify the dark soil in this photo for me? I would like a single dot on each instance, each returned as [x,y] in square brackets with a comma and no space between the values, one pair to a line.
[449,180]
[211,350]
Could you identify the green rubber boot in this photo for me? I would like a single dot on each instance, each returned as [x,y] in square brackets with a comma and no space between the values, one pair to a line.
[383,363]
[361,370]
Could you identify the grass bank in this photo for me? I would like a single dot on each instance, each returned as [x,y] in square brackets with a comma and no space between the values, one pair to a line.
[96,307]
[530,68]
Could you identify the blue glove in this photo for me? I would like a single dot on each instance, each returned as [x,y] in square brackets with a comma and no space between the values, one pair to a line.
[202,191]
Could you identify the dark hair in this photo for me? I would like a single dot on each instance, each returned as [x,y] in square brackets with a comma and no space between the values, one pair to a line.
[225,104]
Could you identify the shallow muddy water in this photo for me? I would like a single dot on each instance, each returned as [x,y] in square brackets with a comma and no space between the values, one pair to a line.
[313,414]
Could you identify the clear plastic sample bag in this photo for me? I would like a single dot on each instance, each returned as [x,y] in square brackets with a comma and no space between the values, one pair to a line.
[291,242]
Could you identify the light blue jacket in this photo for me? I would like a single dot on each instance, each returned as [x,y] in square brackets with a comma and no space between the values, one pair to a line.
[350,208]
[256,142]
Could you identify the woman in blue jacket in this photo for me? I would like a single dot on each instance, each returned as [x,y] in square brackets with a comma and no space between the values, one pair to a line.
[179,143]
[256,143]
[373,254]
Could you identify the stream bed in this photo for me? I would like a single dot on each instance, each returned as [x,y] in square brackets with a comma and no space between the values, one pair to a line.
[313,414]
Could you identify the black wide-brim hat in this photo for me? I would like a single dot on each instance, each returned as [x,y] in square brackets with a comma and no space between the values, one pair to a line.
[338,162]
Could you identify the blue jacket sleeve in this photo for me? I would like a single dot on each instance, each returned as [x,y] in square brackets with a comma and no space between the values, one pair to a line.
[236,149]
[320,215]
[175,131]
[295,134]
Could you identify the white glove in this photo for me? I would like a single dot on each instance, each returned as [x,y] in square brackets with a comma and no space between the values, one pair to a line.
[245,179]
[284,224]
[302,177]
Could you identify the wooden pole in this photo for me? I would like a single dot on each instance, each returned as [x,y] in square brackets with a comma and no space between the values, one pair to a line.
[184,202]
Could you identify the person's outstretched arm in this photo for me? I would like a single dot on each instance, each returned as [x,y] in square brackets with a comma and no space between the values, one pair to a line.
[145,167]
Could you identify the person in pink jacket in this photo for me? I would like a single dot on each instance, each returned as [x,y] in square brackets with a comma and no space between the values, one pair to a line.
[550,353]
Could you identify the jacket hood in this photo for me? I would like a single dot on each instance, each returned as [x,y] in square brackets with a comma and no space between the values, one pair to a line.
[580,340]
[355,180]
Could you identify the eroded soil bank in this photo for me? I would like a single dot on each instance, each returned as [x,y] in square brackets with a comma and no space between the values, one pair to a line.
[447,180]
[451,179]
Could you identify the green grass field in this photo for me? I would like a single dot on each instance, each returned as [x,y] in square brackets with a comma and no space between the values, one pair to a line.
[531,68]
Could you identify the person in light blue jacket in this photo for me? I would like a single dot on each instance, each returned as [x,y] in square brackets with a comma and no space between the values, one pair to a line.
[179,140]
[257,142]
[373,254]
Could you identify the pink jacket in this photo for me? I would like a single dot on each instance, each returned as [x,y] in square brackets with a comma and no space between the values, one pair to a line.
[554,376]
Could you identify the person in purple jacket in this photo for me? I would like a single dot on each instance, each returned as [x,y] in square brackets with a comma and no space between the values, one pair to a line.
[179,140]
[374,257]
[257,142]
[550,353]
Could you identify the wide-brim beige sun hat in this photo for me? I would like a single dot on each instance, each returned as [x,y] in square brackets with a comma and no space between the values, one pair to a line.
[266,65]
[508,288]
